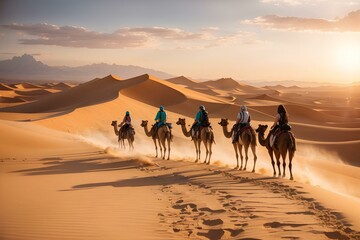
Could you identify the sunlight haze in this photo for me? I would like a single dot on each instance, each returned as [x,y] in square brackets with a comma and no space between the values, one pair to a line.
[247,40]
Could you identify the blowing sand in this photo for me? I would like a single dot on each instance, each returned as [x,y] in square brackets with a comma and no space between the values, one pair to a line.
[63,177]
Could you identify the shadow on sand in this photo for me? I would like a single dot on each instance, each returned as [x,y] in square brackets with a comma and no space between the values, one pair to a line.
[81,164]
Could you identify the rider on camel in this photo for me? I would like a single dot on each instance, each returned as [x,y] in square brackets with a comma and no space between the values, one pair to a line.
[243,120]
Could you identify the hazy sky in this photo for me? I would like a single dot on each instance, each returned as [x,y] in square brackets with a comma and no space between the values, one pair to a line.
[306,40]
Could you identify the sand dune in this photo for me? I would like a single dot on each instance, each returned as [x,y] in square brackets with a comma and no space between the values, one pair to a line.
[62,86]
[183,81]
[47,85]
[156,93]
[25,139]
[93,92]
[27,85]
[4,87]
[11,99]
[223,83]
[36,92]
[98,192]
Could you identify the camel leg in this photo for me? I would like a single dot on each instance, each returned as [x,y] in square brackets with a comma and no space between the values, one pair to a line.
[277,155]
[253,149]
[270,151]
[246,155]
[169,140]
[132,146]
[210,152]
[156,148]
[237,155]
[197,151]
[207,151]
[283,155]
[291,155]
[241,156]
[164,146]
[199,147]
[159,142]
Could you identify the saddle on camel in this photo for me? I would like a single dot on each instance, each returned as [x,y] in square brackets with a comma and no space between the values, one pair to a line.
[281,126]
[126,125]
[201,122]
[242,125]
[160,119]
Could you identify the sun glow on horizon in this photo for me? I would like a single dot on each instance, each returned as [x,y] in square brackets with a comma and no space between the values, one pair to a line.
[348,58]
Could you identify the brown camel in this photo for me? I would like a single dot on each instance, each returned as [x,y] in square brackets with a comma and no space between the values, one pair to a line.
[129,135]
[246,139]
[285,143]
[120,140]
[182,123]
[207,137]
[144,124]
[163,135]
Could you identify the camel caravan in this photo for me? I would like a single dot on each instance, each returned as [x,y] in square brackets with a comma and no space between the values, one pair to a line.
[280,141]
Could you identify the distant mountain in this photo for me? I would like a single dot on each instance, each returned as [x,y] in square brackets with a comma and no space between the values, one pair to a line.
[291,84]
[26,67]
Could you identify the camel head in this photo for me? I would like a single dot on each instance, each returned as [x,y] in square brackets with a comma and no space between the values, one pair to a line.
[224,122]
[261,128]
[113,123]
[181,121]
[144,123]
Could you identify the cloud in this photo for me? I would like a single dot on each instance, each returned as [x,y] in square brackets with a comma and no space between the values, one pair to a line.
[79,37]
[286,2]
[306,2]
[349,23]
[72,36]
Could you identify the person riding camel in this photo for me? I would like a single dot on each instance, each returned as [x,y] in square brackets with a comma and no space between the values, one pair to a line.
[280,123]
[160,119]
[201,120]
[243,120]
[126,123]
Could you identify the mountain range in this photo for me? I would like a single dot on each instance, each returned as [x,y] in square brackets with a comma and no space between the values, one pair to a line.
[26,67]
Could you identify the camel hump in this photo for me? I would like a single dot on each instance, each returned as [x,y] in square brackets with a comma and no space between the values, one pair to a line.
[165,128]
[206,129]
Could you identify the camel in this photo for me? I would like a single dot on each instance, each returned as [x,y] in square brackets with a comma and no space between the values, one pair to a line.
[163,135]
[129,135]
[285,143]
[206,136]
[197,141]
[246,139]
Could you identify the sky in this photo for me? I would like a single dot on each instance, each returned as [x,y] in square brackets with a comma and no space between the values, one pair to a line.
[250,40]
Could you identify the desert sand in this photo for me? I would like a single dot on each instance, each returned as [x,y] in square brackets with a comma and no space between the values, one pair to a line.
[64,177]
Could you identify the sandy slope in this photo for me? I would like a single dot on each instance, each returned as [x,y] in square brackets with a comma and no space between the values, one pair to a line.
[93,194]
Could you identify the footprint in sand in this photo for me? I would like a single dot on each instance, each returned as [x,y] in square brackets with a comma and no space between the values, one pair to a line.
[206,209]
[303,213]
[278,225]
[213,222]
[336,235]
[184,206]
[234,232]
[212,234]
